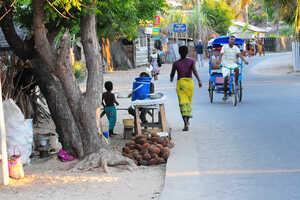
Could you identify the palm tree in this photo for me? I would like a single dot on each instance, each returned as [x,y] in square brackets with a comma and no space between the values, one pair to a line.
[240,8]
[297,18]
[244,5]
[283,10]
[188,4]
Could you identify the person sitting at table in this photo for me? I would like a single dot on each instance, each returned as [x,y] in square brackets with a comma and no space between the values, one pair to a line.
[143,111]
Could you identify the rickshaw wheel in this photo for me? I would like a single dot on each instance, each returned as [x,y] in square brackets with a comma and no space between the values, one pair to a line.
[234,95]
[211,91]
[240,92]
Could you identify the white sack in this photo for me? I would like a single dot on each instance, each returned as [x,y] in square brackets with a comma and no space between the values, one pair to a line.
[19,132]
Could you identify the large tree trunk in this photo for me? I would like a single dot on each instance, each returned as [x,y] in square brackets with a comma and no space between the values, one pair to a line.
[245,14]
[49,85]
[82,107]
[74,113]
[91,141]
[60,112]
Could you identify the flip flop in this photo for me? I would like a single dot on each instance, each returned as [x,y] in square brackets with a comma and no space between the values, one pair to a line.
[185,129]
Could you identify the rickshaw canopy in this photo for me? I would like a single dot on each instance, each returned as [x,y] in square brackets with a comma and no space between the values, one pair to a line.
[219,41]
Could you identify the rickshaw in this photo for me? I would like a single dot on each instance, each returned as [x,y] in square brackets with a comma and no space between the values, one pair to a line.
[216,80]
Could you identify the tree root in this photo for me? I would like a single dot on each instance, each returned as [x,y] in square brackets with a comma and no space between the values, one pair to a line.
[103,158]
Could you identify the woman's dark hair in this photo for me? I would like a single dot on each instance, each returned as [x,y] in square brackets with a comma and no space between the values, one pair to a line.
[183,51]
[108,86]
[144,74]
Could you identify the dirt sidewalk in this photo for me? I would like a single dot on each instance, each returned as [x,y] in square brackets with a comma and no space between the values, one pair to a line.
[50,179]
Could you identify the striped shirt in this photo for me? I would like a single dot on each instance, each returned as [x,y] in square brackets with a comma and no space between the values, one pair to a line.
[229,58]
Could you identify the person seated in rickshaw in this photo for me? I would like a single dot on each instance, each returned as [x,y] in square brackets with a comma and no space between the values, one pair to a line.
[228,58]
[215,66]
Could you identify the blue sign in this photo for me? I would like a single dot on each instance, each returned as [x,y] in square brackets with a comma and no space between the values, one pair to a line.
[179,28]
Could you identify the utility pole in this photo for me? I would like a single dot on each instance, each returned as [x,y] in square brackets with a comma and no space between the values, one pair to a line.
[199,21]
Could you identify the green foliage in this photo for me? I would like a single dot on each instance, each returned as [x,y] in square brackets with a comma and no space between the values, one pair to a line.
[115,18]
[273,35]
[192,24]
[79,71]
[286,8]
[23,14]
[288,31]
[121,18]
[245,28]
[217,15]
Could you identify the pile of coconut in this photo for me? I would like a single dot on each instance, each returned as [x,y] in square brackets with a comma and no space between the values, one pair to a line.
[148,149]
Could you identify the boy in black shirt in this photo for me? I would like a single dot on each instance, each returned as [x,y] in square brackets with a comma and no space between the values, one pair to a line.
[109,101]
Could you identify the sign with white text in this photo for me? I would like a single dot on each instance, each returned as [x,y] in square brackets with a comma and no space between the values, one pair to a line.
[179,28]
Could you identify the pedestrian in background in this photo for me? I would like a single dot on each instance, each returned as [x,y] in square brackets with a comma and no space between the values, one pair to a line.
[259,47]
[155,64]
[143,111]
[253,44]
[199,50]
[185,67]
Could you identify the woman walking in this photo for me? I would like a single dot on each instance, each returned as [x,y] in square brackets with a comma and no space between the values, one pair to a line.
[185,67]
[155,62]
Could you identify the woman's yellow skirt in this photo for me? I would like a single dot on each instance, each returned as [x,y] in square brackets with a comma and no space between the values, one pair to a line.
[185,91]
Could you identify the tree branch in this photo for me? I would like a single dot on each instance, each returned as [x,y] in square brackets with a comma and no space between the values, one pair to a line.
[93,58]
[40,35]
[66,76]
[21,49]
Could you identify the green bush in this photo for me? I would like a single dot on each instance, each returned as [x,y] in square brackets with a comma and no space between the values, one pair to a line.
[79,71]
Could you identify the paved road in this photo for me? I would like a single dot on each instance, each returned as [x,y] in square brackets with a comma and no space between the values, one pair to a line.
[248,152]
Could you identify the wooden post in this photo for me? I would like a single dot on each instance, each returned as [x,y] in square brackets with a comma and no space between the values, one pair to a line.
[163,118]
[98,120]
[138,121]
[5,176]
[186,36]
[134,53]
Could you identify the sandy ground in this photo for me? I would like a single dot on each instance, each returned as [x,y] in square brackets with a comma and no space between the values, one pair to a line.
[49,178]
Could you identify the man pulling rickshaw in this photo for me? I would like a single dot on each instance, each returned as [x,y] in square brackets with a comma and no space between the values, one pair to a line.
[225,75]
[228,58]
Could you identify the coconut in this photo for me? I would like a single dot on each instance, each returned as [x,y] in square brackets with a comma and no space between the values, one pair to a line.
[144,162]
[156,150]
[153,161]
[138,147]
[139,158]
[126,150]
[160,141]
[132,146]
[153,155]
[135,154]
[155,139]
[147,156]
[140,141]
[152,148]
[139,137]
[146,146]
[160,146]
[144,151]
[161,160]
